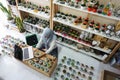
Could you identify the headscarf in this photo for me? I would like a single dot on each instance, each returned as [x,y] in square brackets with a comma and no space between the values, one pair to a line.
[47,36]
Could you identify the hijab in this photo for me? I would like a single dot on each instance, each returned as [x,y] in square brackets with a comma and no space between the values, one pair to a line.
[47,36]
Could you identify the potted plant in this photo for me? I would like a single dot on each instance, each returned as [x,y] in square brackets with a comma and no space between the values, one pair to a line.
[84,25]
[83,6]
[92,22]
[19,24]
[72,4]
[79,73]
[93,2]
[103,28]
[62,77]
[94,9]
[90,27]
[62,2]
[97,27]
[80,19]
[68,74]
[76,22]
[6,11]
[100,9]
[89,8]
[12,2]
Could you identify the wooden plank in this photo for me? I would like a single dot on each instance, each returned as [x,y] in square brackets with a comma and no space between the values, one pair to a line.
[107,75]
[112,53]
[51,14]
[17,9]
[117,28]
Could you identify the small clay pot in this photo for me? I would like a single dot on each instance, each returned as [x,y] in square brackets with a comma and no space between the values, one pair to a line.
[90,73]
[56,74]
[79,73]
[77,78]
[68,74]
[72,64]
[70,68]
[83,75]
[82,65]
[64,57]
[86,66]
[73,76]
[58,69]
[76,67]
[82,69]
[74,72]
[92,68]
[60,65]
[89,78]
[66,78]
[65,66]
[46,70]
[64,71]
[89,8]
[63,61]
[68,62]
[62,77]
[55,78]
[78,63]
[85,70]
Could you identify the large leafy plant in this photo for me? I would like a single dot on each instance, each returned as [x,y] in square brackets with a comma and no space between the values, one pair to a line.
[6,11]
[19,24]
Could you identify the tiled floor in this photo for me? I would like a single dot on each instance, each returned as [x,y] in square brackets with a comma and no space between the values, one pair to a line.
[12,69]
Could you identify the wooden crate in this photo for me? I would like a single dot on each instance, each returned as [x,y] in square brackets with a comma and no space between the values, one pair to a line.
[42,57]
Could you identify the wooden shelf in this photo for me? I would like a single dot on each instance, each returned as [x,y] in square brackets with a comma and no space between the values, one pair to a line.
[78,9]
[98,48]
[37,26]
[40,14]
[100,57]
[87,30]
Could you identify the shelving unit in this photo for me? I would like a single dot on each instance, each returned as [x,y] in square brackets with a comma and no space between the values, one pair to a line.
[91,31]
[55,6]
[58,7]
[106,51]
[40,14]
[87,53]
[78,9]
[25,12]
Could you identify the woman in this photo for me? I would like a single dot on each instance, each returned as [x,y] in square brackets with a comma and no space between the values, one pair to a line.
[47,42]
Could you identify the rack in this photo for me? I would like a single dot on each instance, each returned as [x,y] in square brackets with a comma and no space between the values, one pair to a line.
[54,8]
[104,16]
[57,6]
[34,13]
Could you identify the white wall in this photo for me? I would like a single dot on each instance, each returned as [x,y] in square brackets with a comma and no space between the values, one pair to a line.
[2,15]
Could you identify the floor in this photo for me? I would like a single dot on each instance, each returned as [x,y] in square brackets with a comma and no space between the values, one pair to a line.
[12,69]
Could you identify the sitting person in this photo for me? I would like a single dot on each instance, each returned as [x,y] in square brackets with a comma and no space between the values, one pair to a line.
[47,42]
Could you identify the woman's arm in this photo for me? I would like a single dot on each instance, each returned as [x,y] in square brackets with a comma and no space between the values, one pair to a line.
[52,46]
[39,44]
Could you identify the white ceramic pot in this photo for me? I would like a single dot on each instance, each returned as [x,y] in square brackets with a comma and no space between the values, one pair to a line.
[90,28]
[96,30]
[83,8]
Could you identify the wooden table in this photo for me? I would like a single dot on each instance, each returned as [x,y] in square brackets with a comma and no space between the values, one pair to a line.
[46,58]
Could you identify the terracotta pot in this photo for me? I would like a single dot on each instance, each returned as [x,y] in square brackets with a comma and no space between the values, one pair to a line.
[89,9]
[94,10]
